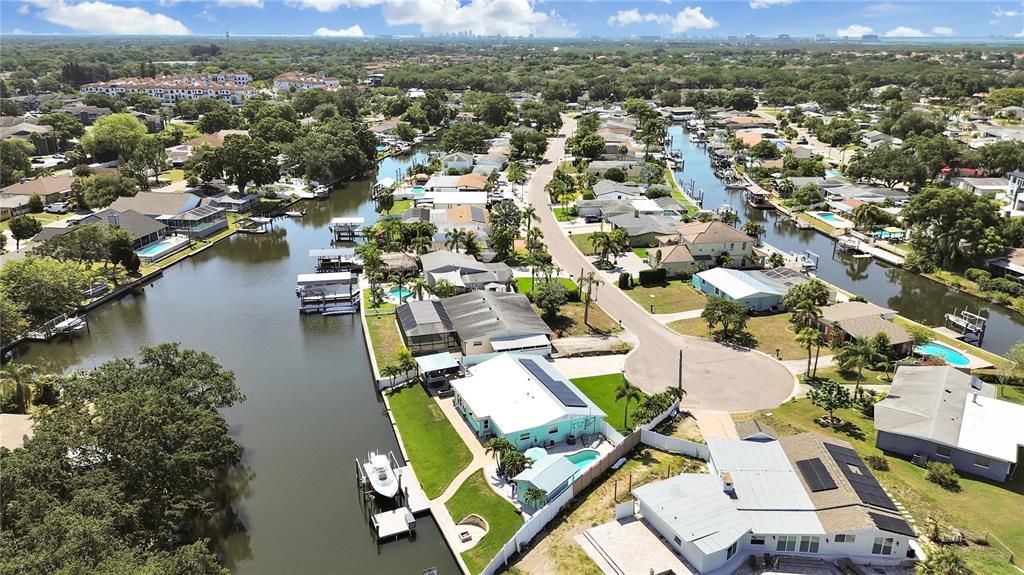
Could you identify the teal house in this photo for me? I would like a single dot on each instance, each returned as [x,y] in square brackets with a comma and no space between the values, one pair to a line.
[524,399]
[551,474]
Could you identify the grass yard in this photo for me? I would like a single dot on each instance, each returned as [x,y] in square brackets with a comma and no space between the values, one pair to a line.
[384,335]
[556,551]
[582,243]
[601,390]
[565,214]
[676,296]
[1012,393]
[476,496]
[172,175]
[641,253]
[401,205]
[962,283]
[768,333]
[820,225]
[979,507]
[525,285]
[435,449]
[569,321]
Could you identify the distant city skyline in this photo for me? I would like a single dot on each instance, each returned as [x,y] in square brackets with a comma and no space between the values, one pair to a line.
[517,18]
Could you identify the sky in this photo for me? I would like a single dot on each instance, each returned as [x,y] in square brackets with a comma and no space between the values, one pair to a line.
[541,18]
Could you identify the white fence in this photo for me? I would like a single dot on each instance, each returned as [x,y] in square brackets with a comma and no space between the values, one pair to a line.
[528,531]
[671,411]
[675,444]
[386,383]
[612,434]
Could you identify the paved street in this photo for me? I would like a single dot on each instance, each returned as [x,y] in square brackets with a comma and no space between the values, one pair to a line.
[715,376]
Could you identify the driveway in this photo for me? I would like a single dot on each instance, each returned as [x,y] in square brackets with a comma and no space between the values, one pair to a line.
[715,376]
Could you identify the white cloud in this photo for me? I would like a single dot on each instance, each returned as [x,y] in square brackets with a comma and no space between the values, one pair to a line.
[854,31]
[105,18]
[755,4]
[1019,34]
[23,9]
[354,31]
[240,3]
[20,32]
[884,8]
[332,5]
[630,17]
[942,31]
[905,32]
[1000,13]
[692,19]
[665,1]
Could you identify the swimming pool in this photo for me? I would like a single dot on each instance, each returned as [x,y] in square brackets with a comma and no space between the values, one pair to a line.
[833,174]
[418,190]
[583,459]
[945,353]
[832,219]
[400,292]
[382,148]
[161,249]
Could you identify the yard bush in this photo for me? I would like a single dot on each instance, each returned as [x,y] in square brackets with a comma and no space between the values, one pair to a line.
[919,265]
[877,462]
[625,281]
[976,274]
[653,277]
[1001,285]
[944,475]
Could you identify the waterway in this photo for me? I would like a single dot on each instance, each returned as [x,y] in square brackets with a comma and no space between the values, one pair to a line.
[914,296]
[310,410]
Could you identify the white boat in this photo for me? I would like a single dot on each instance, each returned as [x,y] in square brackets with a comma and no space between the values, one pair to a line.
[321,192]
[260,220]
[294,214]
[69,325]
[380,474]
[804,261]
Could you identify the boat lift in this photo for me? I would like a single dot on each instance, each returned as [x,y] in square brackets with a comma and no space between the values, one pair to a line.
[971,325]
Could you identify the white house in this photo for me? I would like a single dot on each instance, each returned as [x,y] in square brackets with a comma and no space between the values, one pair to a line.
[460,161]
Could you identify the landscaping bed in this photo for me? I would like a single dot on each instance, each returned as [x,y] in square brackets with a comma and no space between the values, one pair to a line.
[436,451]
[503,520]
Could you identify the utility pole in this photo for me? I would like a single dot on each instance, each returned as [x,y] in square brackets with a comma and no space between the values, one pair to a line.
[680,381]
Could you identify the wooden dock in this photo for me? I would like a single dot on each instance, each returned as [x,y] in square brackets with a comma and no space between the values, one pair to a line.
[415,499]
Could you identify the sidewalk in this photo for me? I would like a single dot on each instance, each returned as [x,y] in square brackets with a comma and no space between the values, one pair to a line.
[667,318]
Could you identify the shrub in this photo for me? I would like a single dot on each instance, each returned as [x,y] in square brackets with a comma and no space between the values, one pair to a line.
[919,265]
[35,204]
[653,277]
[976,274]
[625,281]
[944,475]
[877,462]
[1001,285]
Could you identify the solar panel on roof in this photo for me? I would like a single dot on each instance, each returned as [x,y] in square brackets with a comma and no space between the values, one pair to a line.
[864,484]
[815,474]
[891,524]
[557,388]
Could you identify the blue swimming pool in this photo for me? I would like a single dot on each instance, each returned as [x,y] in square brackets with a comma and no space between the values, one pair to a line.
[161,249]
[829,217]
[945,353]
[382,148]
[832,174]
[400,292]
[583,459]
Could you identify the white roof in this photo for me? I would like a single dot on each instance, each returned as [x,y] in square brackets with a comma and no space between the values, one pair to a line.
[737,284]
[443,181]
[992,427]
[762,474]
[504,390]
[348,220]
[519,342]
[386,182]
[646,205]
[334,277]
[697,509]
[548,473]
[471,198]
[453,277]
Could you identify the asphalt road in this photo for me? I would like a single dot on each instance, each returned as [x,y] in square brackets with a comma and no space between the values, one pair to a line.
[715,376]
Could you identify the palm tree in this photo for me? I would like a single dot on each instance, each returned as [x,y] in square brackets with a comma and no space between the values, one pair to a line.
[818,343]
[530,216]
[858,354]
[398,278]
[535,497]
[626,392]
[806,313]
[516,463]
[499,447]
[418,285]
[444,288]
[533,238]
[730,217]
[391,370]
[807,338]
[602,244]
[754,230]
[587,285]
[725,259]
[453,239]
[16,387]
[675,393]
[469,244]
[406,362]
[421,244]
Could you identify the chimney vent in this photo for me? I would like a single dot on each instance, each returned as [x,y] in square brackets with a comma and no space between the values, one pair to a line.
[727,484]
[113,219]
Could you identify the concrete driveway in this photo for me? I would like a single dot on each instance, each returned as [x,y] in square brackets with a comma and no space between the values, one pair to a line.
[715,376]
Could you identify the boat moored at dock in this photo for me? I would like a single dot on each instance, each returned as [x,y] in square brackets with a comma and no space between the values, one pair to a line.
[328,293]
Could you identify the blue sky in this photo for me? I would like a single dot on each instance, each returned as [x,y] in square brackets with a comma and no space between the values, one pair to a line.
[558,18]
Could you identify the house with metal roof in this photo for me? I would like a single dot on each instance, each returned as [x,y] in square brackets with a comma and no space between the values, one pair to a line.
[806,495]
[645,230]
[939,413]
[609,190]
[551,474]
[756,290]
[464,271]
[524,399]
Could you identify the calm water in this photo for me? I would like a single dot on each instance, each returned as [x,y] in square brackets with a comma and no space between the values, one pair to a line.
[915,297]
[311,408]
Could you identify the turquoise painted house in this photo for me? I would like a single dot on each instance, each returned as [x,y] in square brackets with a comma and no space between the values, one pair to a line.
[524,399]
[758,291]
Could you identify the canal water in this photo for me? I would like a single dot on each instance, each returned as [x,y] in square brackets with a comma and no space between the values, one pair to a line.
[914,296]
[310,411]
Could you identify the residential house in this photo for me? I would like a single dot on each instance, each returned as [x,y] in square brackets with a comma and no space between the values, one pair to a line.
[235,202]
[1009,266]
[33,102]
[426,327]
[472,183]
[154,123]
[758,291]
[866,193]
[157,204]
[1015,195]
[464,272]
[85,114]
[49,189]
[27,128]
[873,138]
[492,162]
[446,200]
[674,258]
[942,414]
[143,230]
[707,244]
[990,187]
[805,495]
[199,222]
[551,474]
[854,320]
[645,230]
[609,190]
[301,81]
[11,206]
[458,161]
[526,400]
[671,206]
[1011,112]
[605,209]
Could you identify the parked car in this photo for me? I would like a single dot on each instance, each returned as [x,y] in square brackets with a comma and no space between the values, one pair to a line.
[38,160]
[592,219]
[57,208]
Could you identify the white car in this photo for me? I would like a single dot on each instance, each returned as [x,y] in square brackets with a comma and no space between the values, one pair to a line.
[57,208]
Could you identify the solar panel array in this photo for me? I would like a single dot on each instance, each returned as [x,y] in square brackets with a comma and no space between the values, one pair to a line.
[557,388]
[860,478]
[891,524]
[817,477]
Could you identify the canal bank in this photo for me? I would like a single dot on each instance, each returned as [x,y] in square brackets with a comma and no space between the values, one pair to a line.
[915,297]
[311,409]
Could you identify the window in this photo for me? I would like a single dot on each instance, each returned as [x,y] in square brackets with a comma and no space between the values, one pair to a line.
[844,538]
[487,424]
[982,461]
[809,544]
[786,543]
[943,451]
[524,436]
[677,540]
[882,546]
[477,343]
[731,551]
[732,247]
[553,430]
[756,539]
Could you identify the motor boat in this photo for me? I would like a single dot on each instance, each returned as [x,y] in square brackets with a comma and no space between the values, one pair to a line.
[294,214]
[381,474]
[321,192]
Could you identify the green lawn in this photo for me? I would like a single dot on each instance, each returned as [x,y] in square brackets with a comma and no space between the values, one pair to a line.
[582,242]
[768,333]
[678,194]
[979,507]
[525,285]
[401,205]
[566,214]
[676,296]
[172,176]
[475,496]
[384,334]
[435,449]
[1012,393]
[641,253]
[601,390]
